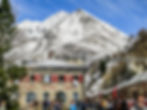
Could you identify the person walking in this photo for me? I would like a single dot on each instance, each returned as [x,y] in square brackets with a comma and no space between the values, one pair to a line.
[73,106]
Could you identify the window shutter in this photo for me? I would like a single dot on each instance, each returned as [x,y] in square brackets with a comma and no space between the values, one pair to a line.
[81,78]
[37,77]
[54,78]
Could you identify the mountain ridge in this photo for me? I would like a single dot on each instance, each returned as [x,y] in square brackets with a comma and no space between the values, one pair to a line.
[76,35]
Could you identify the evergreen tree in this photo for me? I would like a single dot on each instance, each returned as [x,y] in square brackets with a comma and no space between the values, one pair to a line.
[9,73]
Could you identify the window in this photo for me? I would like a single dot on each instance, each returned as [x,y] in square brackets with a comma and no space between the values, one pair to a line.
[76,77]
[61,78]
[51,54]
[45,95]
[75,95]
[46,78]
[75,83]
[32,77]
[61,96]
[31,96]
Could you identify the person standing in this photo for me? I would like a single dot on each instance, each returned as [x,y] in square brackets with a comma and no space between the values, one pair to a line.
[36,105]
[46,104]
[139,103]
[98,105]
[73,106]
[2,105]
[57,105]
[123,103]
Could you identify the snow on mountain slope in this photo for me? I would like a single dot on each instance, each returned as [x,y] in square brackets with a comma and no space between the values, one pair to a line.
[87,32]
[55,20]
[76,35]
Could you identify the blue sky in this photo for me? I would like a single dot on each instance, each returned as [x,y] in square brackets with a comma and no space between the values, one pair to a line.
[128,16]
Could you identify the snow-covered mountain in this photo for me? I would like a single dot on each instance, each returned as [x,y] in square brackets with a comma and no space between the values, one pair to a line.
[77,35]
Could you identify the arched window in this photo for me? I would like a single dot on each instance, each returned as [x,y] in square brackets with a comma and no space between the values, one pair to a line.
[61,96]
[31,96]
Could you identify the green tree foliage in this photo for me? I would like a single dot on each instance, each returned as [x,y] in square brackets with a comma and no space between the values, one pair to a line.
[6,27]
[8,73]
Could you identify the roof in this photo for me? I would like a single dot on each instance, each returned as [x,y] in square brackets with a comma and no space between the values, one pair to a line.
[55,64]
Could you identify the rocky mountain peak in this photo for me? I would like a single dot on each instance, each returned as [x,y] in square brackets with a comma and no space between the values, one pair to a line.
[89,36]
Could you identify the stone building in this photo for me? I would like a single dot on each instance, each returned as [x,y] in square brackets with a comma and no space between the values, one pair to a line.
[55,80]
